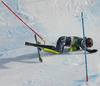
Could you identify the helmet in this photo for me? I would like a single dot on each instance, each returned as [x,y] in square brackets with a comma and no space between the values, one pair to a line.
[89,42]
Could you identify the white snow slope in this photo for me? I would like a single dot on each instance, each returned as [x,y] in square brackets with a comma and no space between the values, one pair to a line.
[19,65]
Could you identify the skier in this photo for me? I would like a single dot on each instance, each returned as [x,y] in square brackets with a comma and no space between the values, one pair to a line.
[75,43]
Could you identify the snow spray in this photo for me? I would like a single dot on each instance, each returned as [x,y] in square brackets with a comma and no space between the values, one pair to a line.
[22,21]
[84,47]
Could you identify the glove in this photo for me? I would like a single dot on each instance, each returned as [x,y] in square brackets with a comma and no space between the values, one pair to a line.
[92,51]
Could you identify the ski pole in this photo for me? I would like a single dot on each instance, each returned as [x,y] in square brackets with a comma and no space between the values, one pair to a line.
[84,47]
[22,21]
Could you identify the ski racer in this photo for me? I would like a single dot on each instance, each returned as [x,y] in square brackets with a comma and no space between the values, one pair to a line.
[74,42]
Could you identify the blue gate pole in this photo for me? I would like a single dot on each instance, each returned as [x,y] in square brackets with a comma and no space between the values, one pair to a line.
[84,47]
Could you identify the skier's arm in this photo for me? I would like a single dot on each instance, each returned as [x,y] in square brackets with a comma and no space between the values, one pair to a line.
[91,51]
[88,50]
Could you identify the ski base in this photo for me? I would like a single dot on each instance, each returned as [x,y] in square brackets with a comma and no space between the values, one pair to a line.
[50,50]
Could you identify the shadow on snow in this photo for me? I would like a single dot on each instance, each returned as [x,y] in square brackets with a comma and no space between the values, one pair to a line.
[21,58]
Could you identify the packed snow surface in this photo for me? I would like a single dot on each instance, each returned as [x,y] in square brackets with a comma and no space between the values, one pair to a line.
[19,64]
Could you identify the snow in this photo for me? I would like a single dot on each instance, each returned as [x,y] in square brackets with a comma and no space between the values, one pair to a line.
[19,65]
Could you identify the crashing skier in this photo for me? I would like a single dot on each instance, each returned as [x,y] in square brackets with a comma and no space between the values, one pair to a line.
[75,43]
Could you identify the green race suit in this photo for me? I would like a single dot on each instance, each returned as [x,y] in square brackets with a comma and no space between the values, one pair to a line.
[69,41]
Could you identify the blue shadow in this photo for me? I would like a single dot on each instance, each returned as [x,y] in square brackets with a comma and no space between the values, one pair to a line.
[91,77]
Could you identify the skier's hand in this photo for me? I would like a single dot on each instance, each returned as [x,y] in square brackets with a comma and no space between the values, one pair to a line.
[92,51]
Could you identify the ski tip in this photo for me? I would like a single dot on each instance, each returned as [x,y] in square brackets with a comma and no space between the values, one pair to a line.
[26,43]
[40,60]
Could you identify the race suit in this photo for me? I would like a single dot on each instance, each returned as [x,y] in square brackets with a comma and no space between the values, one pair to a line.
[71,42]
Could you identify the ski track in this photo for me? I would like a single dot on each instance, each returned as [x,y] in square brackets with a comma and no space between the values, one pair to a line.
[19,65]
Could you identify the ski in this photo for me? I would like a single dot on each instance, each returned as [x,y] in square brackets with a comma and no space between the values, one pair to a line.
[47,48]
[40,59]
[40,45]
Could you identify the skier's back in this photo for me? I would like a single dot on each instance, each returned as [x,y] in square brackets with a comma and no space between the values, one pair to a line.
[73,42]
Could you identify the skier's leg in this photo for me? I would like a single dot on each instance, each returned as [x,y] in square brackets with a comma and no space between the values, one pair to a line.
[60,44]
